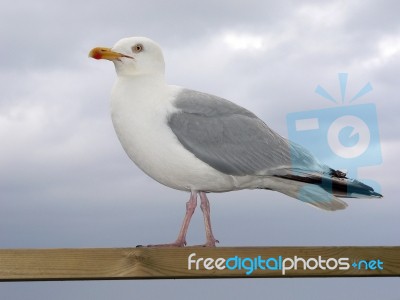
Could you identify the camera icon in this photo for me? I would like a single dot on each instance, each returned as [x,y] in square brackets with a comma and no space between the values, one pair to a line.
[344,137]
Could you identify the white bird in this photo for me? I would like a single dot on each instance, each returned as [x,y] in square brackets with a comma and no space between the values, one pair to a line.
[200,143]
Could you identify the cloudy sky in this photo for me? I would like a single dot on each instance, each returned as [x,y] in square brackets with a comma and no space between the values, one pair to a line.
[66,182]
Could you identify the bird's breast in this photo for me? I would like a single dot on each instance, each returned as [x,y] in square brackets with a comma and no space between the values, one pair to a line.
[140,121]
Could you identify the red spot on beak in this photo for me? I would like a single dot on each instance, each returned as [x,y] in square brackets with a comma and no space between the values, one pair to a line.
[97,55]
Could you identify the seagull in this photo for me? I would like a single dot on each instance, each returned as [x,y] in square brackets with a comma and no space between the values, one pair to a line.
[200,143]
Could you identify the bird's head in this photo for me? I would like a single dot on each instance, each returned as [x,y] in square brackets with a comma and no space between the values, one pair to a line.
[133,56]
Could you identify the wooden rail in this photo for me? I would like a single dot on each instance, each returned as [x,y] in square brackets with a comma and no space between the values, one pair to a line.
[165,263]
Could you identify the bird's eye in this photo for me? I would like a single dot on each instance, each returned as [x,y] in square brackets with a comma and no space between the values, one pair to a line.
[137,48]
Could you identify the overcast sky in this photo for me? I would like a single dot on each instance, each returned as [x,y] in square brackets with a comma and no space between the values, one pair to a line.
[66,182]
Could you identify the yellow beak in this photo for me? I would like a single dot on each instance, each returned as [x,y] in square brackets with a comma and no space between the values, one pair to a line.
[106,53]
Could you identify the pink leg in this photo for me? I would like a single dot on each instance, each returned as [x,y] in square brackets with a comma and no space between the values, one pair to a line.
[205,207]
[190,208]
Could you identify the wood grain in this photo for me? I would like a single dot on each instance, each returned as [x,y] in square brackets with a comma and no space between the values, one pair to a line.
[165,263]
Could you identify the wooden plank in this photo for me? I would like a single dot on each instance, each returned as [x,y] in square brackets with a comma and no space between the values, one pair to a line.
[224,262]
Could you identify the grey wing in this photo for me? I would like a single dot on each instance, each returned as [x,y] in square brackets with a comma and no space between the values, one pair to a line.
[233,140]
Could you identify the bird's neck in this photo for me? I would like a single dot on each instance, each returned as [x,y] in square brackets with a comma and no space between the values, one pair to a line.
[138,92]
[142,82]
[151,76]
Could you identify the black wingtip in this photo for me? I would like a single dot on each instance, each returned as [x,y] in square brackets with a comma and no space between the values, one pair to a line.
[377,195]
[354,187]
[358,188]
[337,183]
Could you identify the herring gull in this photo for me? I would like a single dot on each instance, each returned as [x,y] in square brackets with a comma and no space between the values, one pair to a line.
[200,143]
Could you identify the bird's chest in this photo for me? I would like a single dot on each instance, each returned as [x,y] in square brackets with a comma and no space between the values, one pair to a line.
[142,129]
[140,118]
